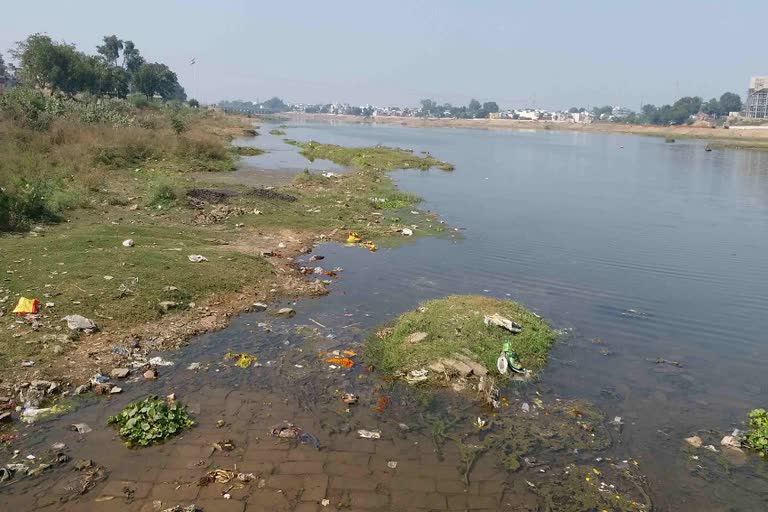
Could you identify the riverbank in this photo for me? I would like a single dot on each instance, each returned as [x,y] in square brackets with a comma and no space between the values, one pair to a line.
[734,137]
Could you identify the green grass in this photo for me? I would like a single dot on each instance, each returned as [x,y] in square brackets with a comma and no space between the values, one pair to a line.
[454,323]
[69,262]
[276,132]
[377,158]
[248,151]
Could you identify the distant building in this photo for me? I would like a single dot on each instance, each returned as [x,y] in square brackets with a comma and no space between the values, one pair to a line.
[756,106]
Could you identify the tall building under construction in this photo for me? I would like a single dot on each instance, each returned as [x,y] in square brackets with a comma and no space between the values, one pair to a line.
[756,106]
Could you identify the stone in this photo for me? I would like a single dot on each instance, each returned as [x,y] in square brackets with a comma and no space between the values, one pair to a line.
[119,373]
[288,312]
[477,368]
[416,337]
[115,390]
[79,390]
[150,374]
[437,367]
[258,307]
[463,369]
[731,442]
[694,441]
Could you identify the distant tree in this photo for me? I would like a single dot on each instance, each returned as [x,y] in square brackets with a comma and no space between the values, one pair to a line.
[193,103]
[155,78]
[490,106]
[3,69]
[473,107]
[56,66]
[573,110]
[275,104]
[132,59]
[712,108]
[110,50]
[730,102]
[600,111]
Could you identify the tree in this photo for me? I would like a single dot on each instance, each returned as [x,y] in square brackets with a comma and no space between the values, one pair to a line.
[132,59]
[3,69]
[490,106]
[473,107]
[56,66]
[428,107]
[730,102]
[606,110]
[155,78]
[110,49]
[193,103]
[712,107]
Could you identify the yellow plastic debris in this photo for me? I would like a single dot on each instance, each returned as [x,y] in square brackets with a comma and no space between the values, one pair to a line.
[26,305]
[353,238]
[242,360]
[595,471]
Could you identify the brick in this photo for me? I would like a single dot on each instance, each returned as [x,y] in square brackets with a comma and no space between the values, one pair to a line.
[306,507]
[285,482]
[368,500]
[349,457]
[221,505]
[180,475]
[353,483]
[137,490]
[485,487]
[336,468]
[457,502]
[411,500]
[412,483]
[264,455]
[306,453]
[266,501]
[477,502]
[174,492]
[300,468]
[315,488]
[450,486]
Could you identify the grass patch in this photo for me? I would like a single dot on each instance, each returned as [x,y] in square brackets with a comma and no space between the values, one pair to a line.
[151,421]
[757,435]
[378,158]
[248,151]
[758,144]
[276,132]
[455,323]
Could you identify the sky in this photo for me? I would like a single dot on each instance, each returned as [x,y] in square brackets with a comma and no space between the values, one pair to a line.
[524,53]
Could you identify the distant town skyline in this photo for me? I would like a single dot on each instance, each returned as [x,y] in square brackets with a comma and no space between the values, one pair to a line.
[551,55]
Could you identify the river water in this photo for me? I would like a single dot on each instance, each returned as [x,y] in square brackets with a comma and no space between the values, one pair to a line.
[641,251]
[644,249]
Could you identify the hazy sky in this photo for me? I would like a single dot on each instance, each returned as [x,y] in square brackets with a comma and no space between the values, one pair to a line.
[519,53]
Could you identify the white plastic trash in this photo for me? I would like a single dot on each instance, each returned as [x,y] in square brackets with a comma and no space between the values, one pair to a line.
[197,258]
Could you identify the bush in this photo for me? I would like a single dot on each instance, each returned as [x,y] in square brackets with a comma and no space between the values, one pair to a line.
[161,191]
[177,124]
[23,202]
[193,103]
[202,147]
[757,436]
[26,107]
[151,421]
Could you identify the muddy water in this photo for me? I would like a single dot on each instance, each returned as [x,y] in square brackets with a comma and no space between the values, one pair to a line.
[643,249]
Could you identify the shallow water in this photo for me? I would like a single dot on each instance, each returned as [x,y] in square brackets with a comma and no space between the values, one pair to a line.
[644,249]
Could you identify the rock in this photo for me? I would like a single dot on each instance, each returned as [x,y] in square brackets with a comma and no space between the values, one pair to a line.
[119,373]
[281,245]
[80,323]
[167,305]
[407,232]
[115,390]
[525,407]
[128,243]
[305,250]
[83,464]
[197,258]
[416,337]
[150,374]
[477,368]
[316,257]
[79,390]
[463,369]
[288,312]
[102,389]
[694,441]
[6,417]
[258,307]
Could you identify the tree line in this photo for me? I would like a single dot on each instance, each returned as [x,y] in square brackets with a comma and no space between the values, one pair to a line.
[116,69]
[473,110]
[680,112]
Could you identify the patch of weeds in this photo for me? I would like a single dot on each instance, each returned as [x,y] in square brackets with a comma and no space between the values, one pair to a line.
[248,151]
[276,132]
[161,191]
[151,421]
[125,155]
[455,324]
[291,142]
[757,436]
[377,158]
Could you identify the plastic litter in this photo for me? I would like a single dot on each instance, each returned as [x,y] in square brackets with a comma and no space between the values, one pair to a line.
[353,238]
[350,398]
[128,243]
[80,323]
[407,232]
[194,366]
[243,360]
[392,464]
[342,361]
[27,306]
[159,361]
[416,376]
[197,258]
[290,431]
[81,428]
[369,434]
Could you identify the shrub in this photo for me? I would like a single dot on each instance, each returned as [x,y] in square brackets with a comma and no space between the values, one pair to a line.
[757,436]
[193,103]
[161,191]
[177,124]
[23,201]
[202,147]
[151,421]
[26,107]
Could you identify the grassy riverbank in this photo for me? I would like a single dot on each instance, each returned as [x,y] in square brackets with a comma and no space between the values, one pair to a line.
[73,191]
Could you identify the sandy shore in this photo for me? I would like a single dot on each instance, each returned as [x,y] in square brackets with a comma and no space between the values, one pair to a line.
[745,134]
